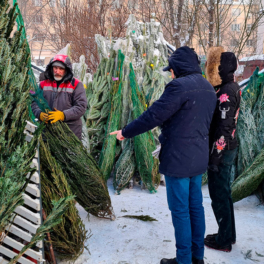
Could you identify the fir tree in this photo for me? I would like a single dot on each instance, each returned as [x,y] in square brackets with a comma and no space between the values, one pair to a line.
[15,153]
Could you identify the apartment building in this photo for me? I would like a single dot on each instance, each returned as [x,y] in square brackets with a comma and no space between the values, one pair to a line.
[43,18]
[39,20]
[237,30]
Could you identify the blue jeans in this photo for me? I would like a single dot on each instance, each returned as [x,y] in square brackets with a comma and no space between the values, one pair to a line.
[185,202]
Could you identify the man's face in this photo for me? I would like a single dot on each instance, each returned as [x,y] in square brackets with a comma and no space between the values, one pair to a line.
[58,73]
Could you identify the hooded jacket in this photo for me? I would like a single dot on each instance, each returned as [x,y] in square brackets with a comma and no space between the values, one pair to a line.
[67,96]
[223,128]
[184,113]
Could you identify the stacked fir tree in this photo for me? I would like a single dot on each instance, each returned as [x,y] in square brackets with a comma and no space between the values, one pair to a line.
[15,153]
[142,81]
[129,78]
[249,167]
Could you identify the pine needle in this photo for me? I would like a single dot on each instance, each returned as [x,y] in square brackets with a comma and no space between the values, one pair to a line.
[145,218]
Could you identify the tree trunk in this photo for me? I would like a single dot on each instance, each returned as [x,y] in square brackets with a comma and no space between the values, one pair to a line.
[196,4]
[171,13]
[211,23]
[178,26]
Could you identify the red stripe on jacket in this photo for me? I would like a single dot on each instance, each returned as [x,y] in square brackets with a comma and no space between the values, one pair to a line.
[62,85]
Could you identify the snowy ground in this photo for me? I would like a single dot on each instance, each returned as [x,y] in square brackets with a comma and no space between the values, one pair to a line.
[130,241]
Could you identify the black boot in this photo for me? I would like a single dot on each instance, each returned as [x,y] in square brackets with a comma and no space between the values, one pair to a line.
[197,261]
[211,243]
[168,261]
[209,237]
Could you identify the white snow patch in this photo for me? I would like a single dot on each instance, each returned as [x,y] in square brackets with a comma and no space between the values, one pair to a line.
[132,241]
[65,50]
[156,52]
[141,37]
[240,70]
[251,58]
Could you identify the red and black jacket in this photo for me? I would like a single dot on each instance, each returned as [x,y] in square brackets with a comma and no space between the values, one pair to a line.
[67,96]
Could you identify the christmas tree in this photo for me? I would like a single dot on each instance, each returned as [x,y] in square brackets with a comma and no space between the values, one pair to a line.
[141,82]
[68,239]
[249,166]
[16,154]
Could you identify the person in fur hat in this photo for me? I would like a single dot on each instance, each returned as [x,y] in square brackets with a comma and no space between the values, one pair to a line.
[220,68]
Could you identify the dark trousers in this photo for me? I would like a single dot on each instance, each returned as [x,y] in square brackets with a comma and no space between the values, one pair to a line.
[222,204]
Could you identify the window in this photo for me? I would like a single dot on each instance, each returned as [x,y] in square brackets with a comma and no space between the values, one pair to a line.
[235,27]
[132,4]
[52,3]
[37,2]
[52,20]
[115,4]
[40,62]
[39,37]
[37,19]
[62,20]
[249,43]
[53,37]
[234,42]
[249,26]
[63,3]
[203,42]
[235,12]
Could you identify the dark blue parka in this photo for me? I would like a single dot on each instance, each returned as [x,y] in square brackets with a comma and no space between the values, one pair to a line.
[184,113]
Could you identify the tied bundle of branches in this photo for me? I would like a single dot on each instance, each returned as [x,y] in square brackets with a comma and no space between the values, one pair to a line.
[125,167]
[250,179]
[79,167]
[144,144]
[67,239]
[107,156]
[14,169]
[250,133]
[98,94]
[15,153]
[250,122]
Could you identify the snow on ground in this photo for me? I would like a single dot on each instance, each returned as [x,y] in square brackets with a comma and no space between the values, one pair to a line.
[130,241]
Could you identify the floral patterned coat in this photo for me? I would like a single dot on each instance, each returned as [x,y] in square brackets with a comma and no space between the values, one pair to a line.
[222,134]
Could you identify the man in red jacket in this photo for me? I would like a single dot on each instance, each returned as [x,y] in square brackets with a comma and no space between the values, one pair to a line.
[65,95]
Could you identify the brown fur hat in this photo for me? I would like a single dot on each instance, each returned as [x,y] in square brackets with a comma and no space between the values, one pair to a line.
[212,64]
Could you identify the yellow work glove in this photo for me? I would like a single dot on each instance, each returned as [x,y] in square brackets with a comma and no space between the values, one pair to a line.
[55,116]
[44,117]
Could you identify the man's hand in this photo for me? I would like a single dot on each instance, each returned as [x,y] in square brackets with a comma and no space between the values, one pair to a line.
[118,134]
[44,117]
[55,116]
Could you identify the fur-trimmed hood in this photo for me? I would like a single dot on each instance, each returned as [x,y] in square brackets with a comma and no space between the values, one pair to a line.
[220,66]
[212,65]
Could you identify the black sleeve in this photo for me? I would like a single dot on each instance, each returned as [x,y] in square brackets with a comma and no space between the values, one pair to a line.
[161,110]
[225,118]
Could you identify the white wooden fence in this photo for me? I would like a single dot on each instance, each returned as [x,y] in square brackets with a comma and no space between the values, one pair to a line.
[28,218]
